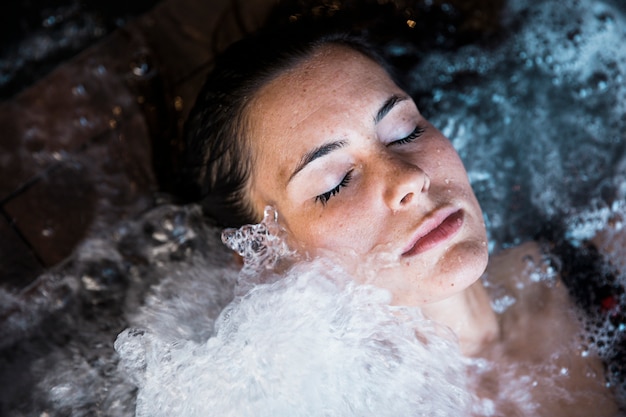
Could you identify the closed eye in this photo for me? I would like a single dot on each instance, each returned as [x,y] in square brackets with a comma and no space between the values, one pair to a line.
[412,137]
[323,198]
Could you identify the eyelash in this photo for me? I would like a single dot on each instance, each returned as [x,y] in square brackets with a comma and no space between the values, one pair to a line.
[414,135]
[323,198]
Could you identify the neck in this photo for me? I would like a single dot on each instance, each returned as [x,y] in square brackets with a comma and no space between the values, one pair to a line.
[469,315]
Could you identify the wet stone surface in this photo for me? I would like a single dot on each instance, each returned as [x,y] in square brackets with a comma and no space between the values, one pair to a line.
[92,142]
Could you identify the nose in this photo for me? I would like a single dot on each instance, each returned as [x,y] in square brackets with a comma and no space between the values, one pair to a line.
[404,184]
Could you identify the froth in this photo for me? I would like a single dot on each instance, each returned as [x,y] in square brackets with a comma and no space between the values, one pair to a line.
[307,341]
[310,344]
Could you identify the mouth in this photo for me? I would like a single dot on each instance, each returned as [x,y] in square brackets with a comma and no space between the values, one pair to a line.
[434,231]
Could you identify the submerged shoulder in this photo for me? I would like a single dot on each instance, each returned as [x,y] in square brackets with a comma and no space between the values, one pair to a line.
[540,334]
[526,281]
[514,262]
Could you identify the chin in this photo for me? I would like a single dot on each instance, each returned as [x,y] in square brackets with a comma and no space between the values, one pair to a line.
[457,270]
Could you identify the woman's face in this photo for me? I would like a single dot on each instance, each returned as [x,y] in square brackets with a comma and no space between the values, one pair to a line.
[353,168]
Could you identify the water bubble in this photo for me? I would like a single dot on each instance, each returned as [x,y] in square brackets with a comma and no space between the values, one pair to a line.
[575,35]
[78,90]
[501,304]
[59,155]
[447,8]
[49,21]
[261,245]
[313,337]
[141,65]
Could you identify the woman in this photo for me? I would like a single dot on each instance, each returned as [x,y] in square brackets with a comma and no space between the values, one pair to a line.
[315,125]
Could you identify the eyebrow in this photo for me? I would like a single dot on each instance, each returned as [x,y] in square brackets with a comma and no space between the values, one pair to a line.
[318,152]
[327,148]
[386,108]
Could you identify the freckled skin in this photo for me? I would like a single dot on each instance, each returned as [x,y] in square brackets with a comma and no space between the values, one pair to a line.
[334,96]
[392,190]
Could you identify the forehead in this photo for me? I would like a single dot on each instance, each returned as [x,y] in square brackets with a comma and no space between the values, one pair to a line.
[332,73]
[335,88]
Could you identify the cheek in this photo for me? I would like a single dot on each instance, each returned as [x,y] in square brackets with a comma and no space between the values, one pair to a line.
[441,154]
[341,230]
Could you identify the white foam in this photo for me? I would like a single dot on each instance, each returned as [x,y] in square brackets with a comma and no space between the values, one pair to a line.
[310,344]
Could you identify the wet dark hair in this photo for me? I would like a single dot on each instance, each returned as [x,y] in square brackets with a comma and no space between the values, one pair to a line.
[218,159]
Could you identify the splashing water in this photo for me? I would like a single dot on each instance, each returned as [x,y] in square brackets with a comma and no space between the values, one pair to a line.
[262,246]
[539,120]
[540,129]
[312,343]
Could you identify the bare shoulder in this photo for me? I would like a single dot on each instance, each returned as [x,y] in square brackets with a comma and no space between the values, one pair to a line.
[515,256]
[540,335]
[524,276]
[510,265]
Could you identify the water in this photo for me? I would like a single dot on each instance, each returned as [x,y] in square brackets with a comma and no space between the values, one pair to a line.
[57,336]
[538,119]
[291,343]
[37,35]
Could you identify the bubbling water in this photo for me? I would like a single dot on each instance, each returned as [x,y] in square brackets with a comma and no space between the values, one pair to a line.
[539,119]
[540,126]
[262,246]
[305,342]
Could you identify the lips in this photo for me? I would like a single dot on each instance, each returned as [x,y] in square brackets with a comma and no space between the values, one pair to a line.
[439,228]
